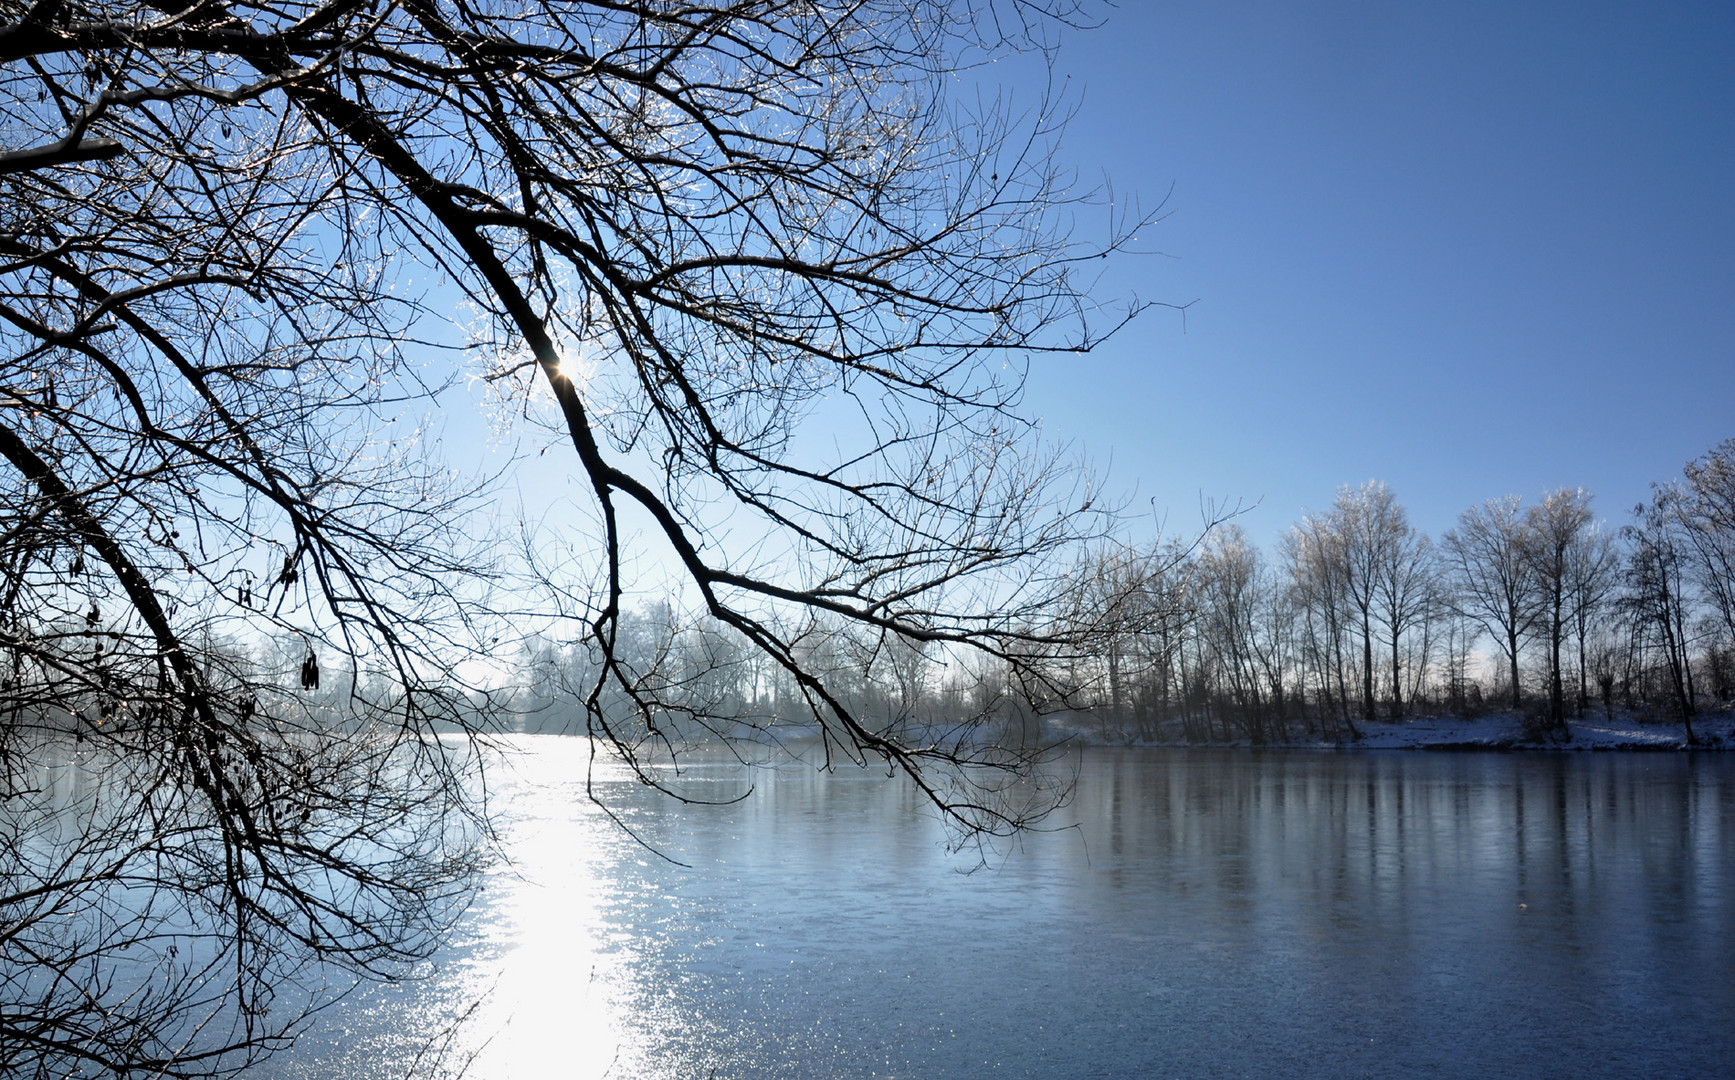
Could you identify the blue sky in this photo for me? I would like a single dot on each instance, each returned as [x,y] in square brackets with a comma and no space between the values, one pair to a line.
[1469,250]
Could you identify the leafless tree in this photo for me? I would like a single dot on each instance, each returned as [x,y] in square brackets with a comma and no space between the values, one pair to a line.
[1403,583]
[1361,518]
[1705,505]
[1556,531]
[1140,601]
[1592,578]
[1376,558]
[680,230]
[1314,552]
[1277,646]
[1167,603]
[1657,598]
[1461,634]
[1493,578]
[1232,592]
[190,402]
[1361,568]
[1112,597]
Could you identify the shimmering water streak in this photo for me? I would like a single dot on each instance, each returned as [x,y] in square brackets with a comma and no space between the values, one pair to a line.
[1212,914]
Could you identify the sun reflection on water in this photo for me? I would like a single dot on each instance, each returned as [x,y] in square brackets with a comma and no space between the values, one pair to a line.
[545,988]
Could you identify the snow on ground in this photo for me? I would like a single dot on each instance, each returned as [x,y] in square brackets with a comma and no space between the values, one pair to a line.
[1596,730]
[1593,731]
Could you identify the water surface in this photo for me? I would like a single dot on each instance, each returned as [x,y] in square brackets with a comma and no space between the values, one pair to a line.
[1209,914]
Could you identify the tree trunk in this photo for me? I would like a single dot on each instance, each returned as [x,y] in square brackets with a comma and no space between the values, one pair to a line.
[1512,656]
[1397,685]
[1583,688]
[1114,688]
[1367,669]
[1556,694]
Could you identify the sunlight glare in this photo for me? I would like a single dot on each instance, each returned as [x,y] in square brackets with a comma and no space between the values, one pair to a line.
[574,368]
[546,1010]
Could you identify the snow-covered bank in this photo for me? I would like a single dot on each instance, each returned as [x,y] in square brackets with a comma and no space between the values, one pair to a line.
[1492,731]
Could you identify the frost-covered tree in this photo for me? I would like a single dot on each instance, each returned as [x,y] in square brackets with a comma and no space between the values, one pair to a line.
[1705,505]
[1556,532]
[1493,579]
[233,240]
[1313,552]
[1592,578]
[1656,595]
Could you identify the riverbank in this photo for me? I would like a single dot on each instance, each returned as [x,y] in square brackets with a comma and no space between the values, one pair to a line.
[1491,731]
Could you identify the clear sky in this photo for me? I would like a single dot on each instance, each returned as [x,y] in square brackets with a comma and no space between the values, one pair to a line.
[1467,249]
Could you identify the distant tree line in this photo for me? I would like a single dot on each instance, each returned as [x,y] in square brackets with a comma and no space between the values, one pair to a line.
[1359,618]
[712,687]
[1362,618]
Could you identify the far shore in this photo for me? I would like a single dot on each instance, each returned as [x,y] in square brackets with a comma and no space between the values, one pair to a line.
[1596,730]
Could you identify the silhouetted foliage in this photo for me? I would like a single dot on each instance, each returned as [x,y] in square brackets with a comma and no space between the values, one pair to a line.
[240,244]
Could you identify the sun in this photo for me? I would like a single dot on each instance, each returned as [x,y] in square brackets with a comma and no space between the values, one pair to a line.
[572,368]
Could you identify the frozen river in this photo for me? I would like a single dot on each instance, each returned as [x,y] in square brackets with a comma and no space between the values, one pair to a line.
[1213,913]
